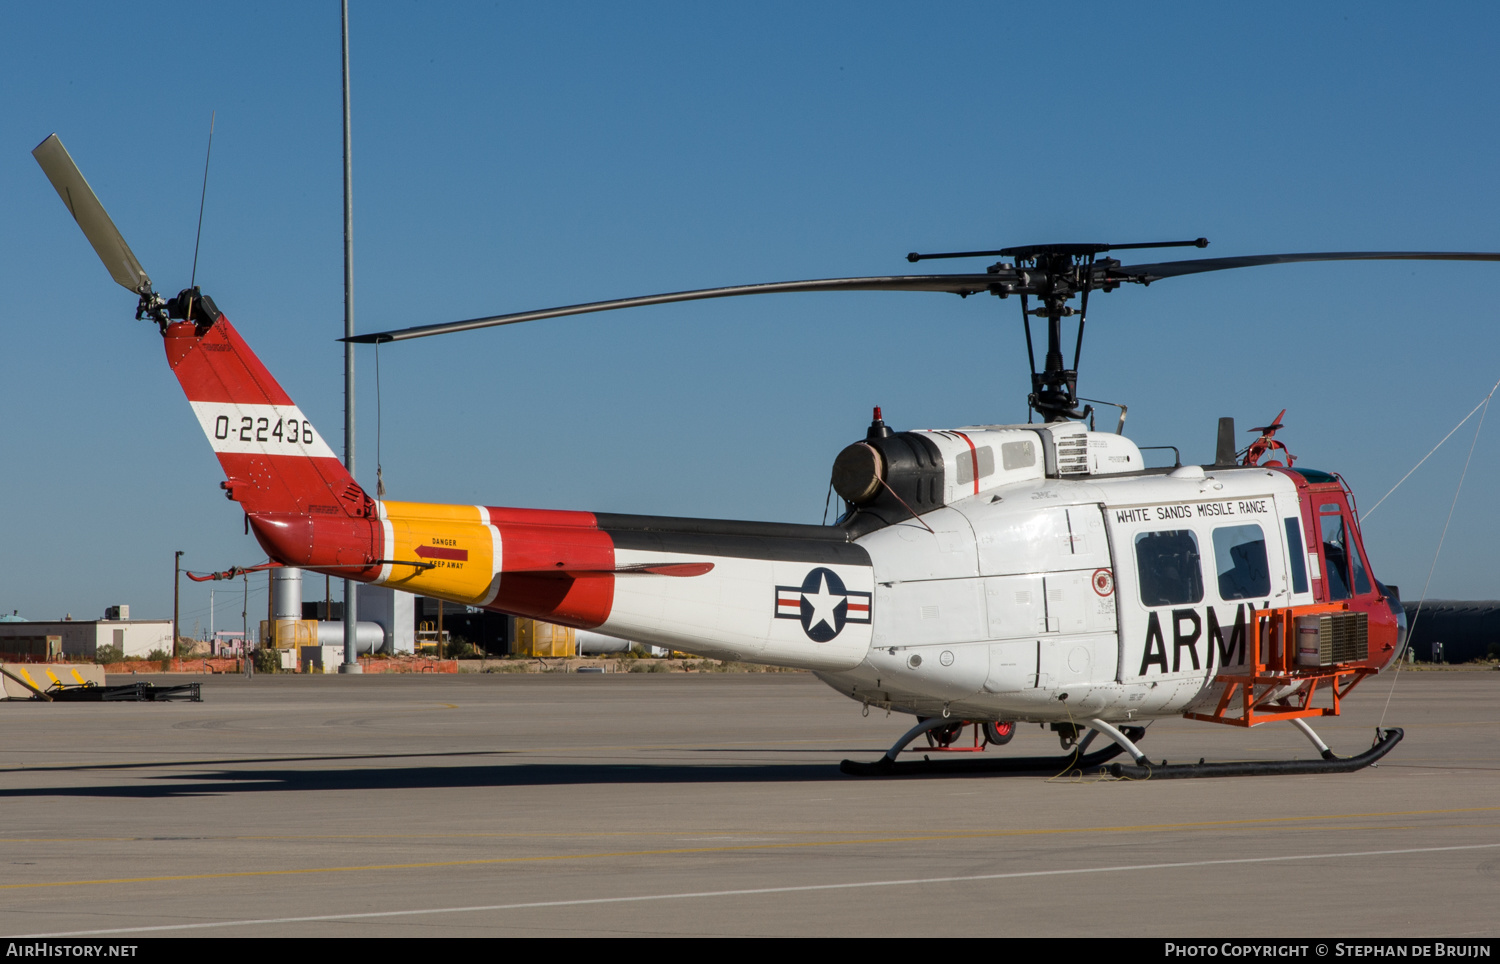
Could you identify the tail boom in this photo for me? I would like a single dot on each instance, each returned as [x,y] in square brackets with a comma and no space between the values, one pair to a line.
[795,595]
[757,598]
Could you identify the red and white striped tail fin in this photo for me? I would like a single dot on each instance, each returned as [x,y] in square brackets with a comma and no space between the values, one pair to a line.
[274,460]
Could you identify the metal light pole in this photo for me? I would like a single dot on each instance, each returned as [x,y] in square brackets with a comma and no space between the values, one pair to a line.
[269,638]
[245,630]
[351,598]
[176,581]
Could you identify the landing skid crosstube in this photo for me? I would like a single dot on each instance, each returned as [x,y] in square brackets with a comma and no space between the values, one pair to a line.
[888,765]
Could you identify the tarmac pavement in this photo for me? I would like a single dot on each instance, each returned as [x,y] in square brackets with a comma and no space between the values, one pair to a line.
[712,804]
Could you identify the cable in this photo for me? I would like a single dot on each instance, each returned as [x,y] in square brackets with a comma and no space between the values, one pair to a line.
[1071,769]
[1411,630]
[1483,402]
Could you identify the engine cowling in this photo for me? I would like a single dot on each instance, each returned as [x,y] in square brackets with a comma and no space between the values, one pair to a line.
[907,464]
[917,471]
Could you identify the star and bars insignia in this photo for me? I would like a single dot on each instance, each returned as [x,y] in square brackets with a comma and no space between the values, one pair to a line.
[822,604]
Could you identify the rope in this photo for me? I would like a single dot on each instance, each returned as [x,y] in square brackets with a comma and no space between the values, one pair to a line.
[1411,630]
[1483,402]
[1072,769]
[903,504]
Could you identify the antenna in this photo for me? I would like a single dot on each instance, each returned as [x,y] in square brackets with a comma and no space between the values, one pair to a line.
[203,197]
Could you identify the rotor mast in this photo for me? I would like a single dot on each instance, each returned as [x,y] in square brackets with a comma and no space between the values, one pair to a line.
[1054,390]
[1055,273]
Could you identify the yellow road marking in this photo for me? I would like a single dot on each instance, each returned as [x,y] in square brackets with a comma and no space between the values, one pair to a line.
[578,834]
[679,851]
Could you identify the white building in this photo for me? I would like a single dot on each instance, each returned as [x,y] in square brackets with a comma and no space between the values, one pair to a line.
[136,638]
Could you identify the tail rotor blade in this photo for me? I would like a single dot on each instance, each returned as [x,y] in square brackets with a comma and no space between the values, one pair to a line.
[90,215]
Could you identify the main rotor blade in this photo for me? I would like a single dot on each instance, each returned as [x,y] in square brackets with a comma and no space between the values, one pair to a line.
[90,215]
[1173,269]
[1003,279]
[959,284]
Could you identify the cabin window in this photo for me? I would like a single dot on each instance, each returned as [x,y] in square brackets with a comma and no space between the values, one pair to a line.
[1017,455]
[1240,560]
[984,455]
[1170,567]
[1297,552]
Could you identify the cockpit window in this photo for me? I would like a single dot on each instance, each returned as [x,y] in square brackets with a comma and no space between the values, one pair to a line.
[1240,560]
[1170,568]
[1335,556]
[1349,553]
[1361,578]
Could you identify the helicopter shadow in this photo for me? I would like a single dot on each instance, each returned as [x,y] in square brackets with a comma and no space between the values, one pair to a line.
[375,779]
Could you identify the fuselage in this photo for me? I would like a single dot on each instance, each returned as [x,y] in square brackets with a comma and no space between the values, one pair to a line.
[1118,597]
[991,572]
[1115,597]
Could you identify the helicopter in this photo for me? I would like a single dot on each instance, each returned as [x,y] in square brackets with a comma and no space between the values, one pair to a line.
[985,575]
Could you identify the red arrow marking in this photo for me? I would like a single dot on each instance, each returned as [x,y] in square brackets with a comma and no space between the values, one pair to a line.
[438,552]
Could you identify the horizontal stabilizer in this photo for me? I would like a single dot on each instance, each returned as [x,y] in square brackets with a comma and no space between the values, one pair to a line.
[640,569]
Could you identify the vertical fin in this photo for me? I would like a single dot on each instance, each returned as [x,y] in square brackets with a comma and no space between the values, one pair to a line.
[304,507]
[274,460]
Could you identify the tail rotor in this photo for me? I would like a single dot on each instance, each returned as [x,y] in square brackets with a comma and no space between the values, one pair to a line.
[95,222]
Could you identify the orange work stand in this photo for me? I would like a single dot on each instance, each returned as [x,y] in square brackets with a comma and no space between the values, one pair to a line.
[1274,667]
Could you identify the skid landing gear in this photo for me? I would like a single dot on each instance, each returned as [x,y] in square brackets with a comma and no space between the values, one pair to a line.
[1078,759]
[1330,763]
[1124,741]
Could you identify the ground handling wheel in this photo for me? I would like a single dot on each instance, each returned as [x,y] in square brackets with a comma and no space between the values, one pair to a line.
[1000,732]
[946,735]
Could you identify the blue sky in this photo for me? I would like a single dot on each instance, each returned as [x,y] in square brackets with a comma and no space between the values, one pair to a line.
[512,157]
